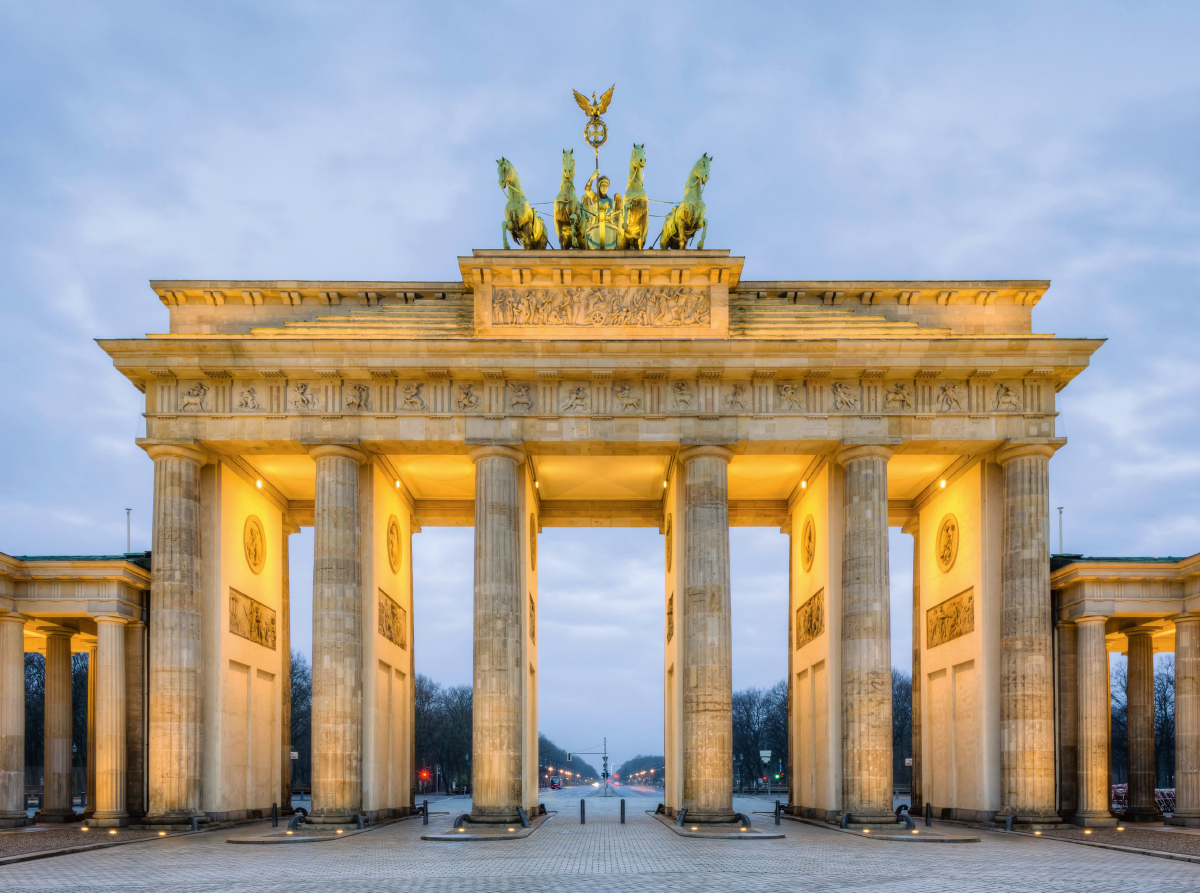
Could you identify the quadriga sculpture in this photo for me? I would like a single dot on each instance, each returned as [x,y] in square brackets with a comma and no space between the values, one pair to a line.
[687,217]
[634,215]
[568,219]
[520,218]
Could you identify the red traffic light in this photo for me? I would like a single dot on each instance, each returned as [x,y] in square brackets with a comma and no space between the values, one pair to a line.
[424,775]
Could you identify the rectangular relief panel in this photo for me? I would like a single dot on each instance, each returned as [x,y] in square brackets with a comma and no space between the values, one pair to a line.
[952,618]
[653,307]
[810,619]
[393,621]
[251,619]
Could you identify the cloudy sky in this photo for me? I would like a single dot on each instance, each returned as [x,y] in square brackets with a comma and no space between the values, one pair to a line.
[856,140]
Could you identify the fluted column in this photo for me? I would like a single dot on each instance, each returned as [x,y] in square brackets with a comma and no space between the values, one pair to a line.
[707,636]
[176,647]
[866,637]
[12,720]
[1094,790]
[1026,672]
[285,674]
[917,798]
[337,638]
[497,708]
[135,720]
[109,725]
[89,808]
[1187,721]
[1068,717]
[56,773]
[1140,726]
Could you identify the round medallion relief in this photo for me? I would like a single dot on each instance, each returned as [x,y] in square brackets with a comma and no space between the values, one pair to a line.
[808,543]
[394,548]
[533,541]
[947,543]
[254,541]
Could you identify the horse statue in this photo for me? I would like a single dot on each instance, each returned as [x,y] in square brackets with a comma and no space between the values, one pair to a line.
[568,219]
[687,217]
[520,218]
[636,205]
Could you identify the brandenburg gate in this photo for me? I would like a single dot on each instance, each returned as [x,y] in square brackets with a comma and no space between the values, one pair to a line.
[599,388]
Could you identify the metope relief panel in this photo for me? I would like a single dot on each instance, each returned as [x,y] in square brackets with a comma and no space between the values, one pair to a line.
[810,619]
[393,621]
[251,619]
[790,397]
[845,396]
[657,307]
[1006,396]
[304,396]
[468,396]
[357,397]
[410,396]
[951,396]
[627,396]
[738,397]
[683,396]
[951,619]
[574,397]
[899,396]
[521,397]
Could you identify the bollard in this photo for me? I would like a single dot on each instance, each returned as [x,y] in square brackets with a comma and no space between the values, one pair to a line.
[524,817]
[778,808]
[682,815]
[622,810]
[361,825]
[424,812]
[928,814]
[195,824]
[274,815]
[582,812]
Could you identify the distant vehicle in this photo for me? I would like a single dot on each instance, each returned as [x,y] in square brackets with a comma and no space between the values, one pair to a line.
[555,783]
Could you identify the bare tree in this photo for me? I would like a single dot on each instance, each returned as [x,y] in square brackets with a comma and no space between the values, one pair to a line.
[301,719]
[1119,682]
[902,726]
[1164,721]
[760,723]
[35,713]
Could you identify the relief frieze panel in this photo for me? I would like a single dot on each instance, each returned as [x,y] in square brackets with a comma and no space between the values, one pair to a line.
[600,306]
[951,619]
[251,619]
[810,619]
[393,621]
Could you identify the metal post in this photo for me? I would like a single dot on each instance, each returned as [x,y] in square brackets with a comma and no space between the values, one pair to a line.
[274,815]
[622,810]
[424,812]
[1060,544]
[582,812]
[128,541]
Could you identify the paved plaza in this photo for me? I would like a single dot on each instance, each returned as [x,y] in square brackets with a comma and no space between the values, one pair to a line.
[563,855]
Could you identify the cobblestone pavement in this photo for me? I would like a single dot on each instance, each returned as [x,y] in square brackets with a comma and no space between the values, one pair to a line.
[54,837]
[601,855]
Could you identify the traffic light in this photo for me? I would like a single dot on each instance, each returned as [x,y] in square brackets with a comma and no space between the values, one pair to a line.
[424,775]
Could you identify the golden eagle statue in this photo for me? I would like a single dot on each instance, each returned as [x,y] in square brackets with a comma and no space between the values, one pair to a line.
[594,109]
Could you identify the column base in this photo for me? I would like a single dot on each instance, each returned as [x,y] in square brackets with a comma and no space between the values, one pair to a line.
[1030,821]
[110,820]
[57,816]
[335,817]
[711,817]
[495,815]
[1191,820]
[178,819]
[1143,814]
[870,818]
[1098,820]
[14,820]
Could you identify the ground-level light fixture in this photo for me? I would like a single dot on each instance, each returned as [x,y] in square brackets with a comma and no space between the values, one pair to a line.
[164,833]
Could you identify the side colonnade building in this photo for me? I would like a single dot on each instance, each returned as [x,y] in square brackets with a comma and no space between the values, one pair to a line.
[611,388]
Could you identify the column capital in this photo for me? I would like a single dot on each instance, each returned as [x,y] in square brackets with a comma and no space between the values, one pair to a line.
[850,452]
[1140,630]
[175,451]
[495,450]
[13,617]
[1185,617]
[1021,450]
[336,451]
[110,618]
[706,451]
[1063,624]
[1087,618]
